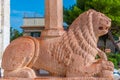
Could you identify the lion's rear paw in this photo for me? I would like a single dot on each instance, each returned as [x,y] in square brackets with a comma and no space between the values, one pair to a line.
[23,73]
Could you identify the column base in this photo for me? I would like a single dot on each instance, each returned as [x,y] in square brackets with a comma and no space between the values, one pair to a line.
[52,33]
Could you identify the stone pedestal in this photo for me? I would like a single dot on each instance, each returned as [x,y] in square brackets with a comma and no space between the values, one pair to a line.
[57,78]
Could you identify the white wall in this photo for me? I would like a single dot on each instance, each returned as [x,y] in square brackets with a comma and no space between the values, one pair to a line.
[0,26]
[4,25]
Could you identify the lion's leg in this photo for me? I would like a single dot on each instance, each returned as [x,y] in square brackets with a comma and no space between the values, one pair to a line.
[21,72]
[106,74]
[99,67]
[107,70]
[76,69]
[83,71]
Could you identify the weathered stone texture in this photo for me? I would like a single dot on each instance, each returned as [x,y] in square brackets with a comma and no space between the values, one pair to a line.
[51,78]
[71,54]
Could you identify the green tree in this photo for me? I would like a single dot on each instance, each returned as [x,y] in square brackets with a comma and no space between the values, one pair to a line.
[14,33]
[71,13]
[115,58]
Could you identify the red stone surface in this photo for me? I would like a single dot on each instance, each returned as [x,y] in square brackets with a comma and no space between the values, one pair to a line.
[51,78]
[72,54]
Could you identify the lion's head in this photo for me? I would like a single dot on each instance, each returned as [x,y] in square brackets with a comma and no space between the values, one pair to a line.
[89,26]
[97,23]
[85,31]
[101,23]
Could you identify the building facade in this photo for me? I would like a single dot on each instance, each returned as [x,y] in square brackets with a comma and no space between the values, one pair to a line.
[106,45]
[4,25]
[33,26]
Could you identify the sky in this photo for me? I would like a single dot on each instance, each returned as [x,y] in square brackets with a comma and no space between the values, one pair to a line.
[21,8]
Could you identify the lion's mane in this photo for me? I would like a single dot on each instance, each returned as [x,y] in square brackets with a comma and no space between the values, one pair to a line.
[79,39]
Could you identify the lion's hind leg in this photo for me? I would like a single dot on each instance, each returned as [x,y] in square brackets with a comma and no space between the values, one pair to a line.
[21,72]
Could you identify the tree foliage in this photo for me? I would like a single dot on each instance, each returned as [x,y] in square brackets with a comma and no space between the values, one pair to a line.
[111,8]
[115,58]
[14,33]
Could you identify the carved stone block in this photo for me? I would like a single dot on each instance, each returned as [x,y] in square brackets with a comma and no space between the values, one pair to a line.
[70,55]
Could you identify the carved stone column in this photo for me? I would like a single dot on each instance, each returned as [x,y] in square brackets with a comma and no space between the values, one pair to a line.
[53,19]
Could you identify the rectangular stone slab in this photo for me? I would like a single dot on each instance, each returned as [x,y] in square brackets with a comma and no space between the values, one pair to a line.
[56,78]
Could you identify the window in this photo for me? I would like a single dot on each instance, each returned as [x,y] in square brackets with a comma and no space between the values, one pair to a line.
[35,34]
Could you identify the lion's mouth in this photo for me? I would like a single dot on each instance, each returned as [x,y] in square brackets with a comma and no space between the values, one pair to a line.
[101,28]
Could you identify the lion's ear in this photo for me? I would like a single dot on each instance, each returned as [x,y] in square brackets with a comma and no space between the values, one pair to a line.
[91,10]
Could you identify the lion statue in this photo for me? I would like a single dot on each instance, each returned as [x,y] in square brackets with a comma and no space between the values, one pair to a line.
[71,55]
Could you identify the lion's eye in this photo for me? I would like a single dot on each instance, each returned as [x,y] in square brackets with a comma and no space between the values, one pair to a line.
[100,28]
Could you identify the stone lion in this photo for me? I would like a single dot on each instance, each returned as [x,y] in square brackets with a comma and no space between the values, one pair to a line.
[71,55]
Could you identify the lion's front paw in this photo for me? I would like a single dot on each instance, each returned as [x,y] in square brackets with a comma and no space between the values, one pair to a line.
[107,65]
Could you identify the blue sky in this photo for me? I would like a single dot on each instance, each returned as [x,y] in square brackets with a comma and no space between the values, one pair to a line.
[19,8]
